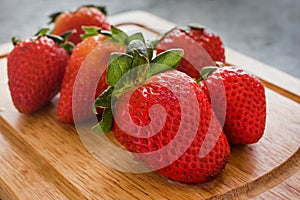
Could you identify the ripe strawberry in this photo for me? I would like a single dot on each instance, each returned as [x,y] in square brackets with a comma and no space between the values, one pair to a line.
[200,47]
[172,147]
[88,61]
[245,103]
[35,71]
[84,16]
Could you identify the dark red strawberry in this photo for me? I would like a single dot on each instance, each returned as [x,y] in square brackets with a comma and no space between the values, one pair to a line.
[35,71]
[84,16]
[245,103]
[164,119]
[200,47]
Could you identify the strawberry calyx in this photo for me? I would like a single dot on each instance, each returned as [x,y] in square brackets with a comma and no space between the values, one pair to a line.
[206,72]
[90,31]
[45,32]
[53,16]
[61,40]
[15,41]
[129,70]
[116,35]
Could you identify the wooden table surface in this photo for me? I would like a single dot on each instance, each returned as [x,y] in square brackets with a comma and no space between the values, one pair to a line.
[41,158]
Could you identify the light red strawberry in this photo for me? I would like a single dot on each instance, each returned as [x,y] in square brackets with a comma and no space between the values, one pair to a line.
[174,148]
[35,71]
[201,48]
[84,16]
[244,105]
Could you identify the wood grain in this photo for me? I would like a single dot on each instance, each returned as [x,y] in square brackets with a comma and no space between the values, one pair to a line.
[18,177]
[289,189]
[54,159]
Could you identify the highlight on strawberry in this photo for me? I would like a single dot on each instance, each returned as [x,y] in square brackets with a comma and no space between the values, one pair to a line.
[35,69]
[162,116]
[87,15]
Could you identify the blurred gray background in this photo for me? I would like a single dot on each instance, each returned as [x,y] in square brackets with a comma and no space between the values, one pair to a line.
[267,30]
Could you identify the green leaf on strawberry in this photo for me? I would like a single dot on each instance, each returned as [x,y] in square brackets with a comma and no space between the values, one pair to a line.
[118,35]
[53,17]
[105,124]
[136,36]
[167,60]
[104,100]
[119,64]
[126,71]
[90,31]
[42,32]
[206,72]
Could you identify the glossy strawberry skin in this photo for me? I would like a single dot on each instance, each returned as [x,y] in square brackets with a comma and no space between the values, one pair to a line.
[86,16]
[93,53]
[245,104]
[201,49]
[188,167]
[212,43]
[35,72]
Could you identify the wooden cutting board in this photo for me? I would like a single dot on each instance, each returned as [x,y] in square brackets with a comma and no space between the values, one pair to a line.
[41,158]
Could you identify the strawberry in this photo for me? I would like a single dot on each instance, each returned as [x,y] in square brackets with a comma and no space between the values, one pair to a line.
[35,70]
[84,16]
[163,117]
[87,66]
[200,47]
[244,105]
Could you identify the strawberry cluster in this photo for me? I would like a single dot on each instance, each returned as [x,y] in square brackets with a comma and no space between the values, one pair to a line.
[171,103]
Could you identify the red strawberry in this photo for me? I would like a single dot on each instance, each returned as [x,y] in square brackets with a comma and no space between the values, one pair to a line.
[185,142]
[87,64]
[84,16]
[200,47]
[245,103]
[35,71]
